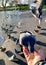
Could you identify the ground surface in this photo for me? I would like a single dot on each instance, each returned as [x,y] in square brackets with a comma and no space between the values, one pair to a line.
[28,23]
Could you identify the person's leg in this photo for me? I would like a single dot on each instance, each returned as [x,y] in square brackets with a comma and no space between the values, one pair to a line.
[32,48]
[38,27]
[25,41]
[40,18]
[31,43]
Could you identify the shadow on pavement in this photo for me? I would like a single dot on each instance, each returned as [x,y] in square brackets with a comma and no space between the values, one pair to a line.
[8,31]
[2,62]
[41,43]
[20,62]
[15,60]
[22,55]
[12,37]
[43,29]
[44,34]
[9,53]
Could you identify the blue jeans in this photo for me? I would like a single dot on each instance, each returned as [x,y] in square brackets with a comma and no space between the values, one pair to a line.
[40,13]
[29,41]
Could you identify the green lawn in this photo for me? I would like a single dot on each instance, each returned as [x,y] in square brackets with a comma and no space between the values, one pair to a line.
[20,7]
[44,7]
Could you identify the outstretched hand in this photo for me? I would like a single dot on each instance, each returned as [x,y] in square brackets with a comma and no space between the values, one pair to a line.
[32,58]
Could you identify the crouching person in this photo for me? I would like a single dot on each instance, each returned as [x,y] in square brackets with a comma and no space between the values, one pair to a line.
[32,56]
[28,40]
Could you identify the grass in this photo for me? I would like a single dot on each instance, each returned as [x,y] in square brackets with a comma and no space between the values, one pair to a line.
[44,7]
[1,8]
[20,7]
[7,8]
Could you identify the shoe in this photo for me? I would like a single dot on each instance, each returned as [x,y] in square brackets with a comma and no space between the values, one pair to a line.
[37,31]
[11,58]
[3,49]
[38,27]
[17,52]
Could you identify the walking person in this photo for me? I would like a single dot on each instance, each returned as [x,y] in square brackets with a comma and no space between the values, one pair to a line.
[36,8]
[39,6]
[32,56]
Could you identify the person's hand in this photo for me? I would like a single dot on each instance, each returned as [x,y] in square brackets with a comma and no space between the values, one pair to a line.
[32,58]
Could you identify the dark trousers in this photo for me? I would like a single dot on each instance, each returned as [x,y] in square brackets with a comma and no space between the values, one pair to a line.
[29,41]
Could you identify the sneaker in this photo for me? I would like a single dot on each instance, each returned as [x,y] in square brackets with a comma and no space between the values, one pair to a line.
[11,58]
[17,52]
[37,31]
[3,49]
[38,27]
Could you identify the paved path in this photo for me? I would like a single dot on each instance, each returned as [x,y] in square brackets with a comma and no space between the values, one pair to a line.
[28,23]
